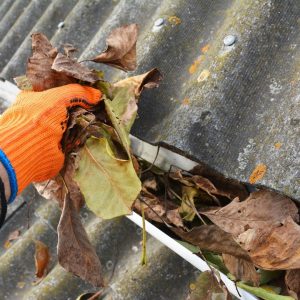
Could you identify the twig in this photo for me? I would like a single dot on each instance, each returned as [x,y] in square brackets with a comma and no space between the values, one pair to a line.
[152,164]
[168,225]
[96,295]
[46,186]
[64,182]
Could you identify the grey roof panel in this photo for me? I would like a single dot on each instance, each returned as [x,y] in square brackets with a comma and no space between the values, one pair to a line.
[250,100]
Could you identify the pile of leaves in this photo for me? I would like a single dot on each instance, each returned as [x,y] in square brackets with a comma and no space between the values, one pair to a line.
[99,168]
[254,238]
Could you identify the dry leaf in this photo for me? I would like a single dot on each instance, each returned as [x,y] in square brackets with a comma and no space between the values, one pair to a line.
[273,248]
[39,71]
[203,184]
[173,217]
[187,208]
[42,258]
[212,238]
[292,281]
[152,208]
[261,209]
[207,287]
[241,269]
[68,174]
[226,187]
[150,183]
[70,67]
[51,190]
[23,83]
[121,48]
[157,211]
[75,253]
[147,80]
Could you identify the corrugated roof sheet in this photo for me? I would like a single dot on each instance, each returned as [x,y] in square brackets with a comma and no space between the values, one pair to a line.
[230,107]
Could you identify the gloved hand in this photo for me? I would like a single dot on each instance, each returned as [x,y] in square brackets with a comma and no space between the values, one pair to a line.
[31,131]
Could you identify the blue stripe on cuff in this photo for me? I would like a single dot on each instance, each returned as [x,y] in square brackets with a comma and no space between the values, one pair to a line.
[11,175]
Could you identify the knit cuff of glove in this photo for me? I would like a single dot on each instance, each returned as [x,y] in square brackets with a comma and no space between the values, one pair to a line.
[11,175]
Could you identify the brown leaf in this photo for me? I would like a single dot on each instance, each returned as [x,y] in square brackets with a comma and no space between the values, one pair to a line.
[173,217]
[157,211]
[75,253]
[42,258]
[51,190]
[242,269]
[147,80]
[261,209]
[227,187]
[207,186]
[152,208]
[73,132]
[273,248]
[39,71]
[187,208]
[207,287]
[150,183]
[68,174]
[212,238]
[121,48]
[70,67]
[177,175]
[23,83]
[292,281]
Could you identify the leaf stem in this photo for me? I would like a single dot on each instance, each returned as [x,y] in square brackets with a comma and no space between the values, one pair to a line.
[144,254]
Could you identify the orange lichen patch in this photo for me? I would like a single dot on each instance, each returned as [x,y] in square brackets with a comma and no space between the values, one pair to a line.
[203,75]
[258,173]
[174,20]
[205,48]
[196,63]
[277,145]
[186,101]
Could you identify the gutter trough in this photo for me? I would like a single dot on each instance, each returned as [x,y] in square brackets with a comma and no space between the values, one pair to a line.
[165,159]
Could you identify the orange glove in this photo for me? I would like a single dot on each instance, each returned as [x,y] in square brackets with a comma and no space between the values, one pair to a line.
[31,131]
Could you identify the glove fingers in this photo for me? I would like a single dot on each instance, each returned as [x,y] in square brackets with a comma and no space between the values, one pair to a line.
[83,96]
[68,95]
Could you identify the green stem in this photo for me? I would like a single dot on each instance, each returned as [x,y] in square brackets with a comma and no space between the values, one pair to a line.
[144,254]
[262,293]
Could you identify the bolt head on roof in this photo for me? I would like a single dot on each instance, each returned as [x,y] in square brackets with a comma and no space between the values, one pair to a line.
[159,22]
[229,40]
[60,25]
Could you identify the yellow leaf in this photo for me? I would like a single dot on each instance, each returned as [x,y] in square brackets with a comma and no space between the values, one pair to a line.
[109,185]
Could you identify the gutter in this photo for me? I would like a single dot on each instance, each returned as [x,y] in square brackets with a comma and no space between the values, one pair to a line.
[164,159]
